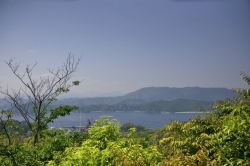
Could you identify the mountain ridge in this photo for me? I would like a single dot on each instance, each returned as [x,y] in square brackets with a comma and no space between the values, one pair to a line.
[151,99]
[167,93]
[160,106]
[149,94]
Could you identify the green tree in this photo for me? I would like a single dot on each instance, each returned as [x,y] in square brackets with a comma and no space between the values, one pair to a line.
[33,100]
[219,138]
[106,146]
[7,134]
[126,126]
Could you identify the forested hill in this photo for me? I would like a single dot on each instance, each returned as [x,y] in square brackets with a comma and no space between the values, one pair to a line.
[161,106]
[150,94]
[194,93]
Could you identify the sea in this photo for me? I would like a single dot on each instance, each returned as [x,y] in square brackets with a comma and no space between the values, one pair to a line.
[146,119]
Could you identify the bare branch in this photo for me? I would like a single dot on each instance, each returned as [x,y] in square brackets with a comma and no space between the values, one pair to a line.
[37,92]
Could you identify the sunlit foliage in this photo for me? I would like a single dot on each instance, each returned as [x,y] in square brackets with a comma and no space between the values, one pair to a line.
[219,138]
[105,146]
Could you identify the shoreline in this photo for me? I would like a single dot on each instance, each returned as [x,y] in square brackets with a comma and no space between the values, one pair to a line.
[188,112]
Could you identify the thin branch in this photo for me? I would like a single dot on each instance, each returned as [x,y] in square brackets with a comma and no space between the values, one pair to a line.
[38,92]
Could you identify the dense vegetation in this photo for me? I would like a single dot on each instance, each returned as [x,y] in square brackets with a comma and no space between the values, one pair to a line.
[221,137]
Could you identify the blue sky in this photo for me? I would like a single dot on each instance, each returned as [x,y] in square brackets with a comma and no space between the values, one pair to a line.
[129,44]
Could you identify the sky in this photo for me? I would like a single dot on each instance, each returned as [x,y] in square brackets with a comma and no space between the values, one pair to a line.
[126,45]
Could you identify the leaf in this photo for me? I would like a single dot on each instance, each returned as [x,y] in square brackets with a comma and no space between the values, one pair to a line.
[76,83]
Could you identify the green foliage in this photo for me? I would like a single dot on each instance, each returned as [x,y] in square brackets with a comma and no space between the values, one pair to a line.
[105,129]
[52,144]
[105,146]
[76,83]
[219,138]
[142,134]
[9,126]
[59,111]
[8,133]
[77,137]
[126,126]
[41,122]
[62,90]
[21,128]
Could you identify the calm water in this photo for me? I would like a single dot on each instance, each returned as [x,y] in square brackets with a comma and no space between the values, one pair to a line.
[148,120]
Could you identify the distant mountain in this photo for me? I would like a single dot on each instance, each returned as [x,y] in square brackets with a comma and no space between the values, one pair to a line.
[150,94]
[147,95]
[178,105]
[4,104]
[133,101]
[90,94]
[194,93]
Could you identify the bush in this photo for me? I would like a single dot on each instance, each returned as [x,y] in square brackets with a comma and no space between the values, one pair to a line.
[219,138]
[105,146]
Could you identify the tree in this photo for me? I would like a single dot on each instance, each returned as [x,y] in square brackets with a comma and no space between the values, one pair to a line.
[33,100]
[126,126]
[107,147]
[221,137]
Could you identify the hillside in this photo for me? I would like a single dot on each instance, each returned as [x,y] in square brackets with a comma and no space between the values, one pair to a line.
[194,93]
[4,104]
[161,106]
[146,97]
[151,94]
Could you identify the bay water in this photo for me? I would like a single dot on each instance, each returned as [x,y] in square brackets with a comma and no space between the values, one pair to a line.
[146,119]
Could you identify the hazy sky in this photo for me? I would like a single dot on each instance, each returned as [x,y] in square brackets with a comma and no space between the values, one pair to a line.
[129,44]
